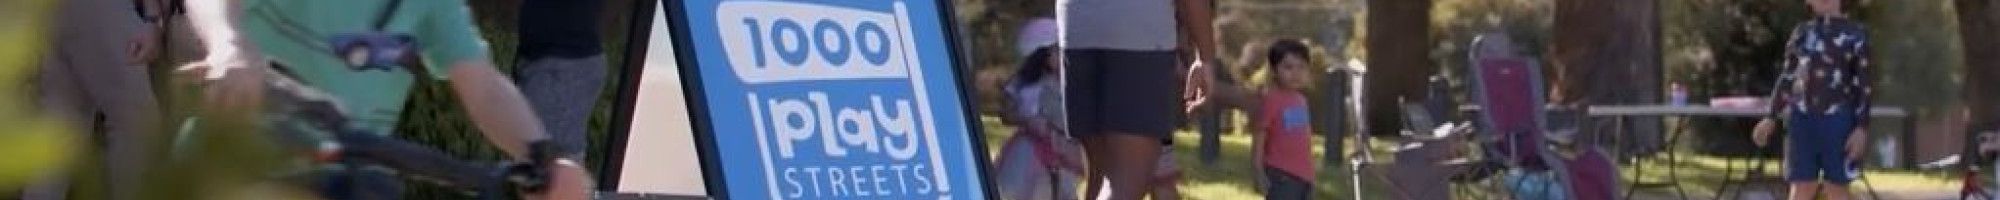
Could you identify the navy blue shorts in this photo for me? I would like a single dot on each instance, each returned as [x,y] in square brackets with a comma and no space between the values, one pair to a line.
[1816,149]
[1131,92]
[1284,186]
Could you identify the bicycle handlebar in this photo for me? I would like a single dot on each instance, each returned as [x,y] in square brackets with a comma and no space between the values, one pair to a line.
[302,103]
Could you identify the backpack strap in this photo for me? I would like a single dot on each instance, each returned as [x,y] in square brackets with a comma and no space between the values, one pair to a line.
[382,18]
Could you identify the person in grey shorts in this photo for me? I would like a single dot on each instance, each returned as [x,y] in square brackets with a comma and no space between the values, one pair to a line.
[562,68]
[94,78]
[1120,71]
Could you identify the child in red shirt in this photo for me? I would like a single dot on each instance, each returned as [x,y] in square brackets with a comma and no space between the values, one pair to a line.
[1282,144]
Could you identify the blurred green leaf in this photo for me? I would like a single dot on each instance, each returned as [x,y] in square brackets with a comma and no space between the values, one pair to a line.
[31,145]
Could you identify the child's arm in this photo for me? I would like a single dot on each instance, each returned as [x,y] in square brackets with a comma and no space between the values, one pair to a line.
[1257,140]
[234,66]
[1232,96]
[1780,93]
[1258,124]
[503,116]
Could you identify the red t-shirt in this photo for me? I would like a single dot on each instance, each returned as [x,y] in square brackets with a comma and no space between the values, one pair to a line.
[1287,132]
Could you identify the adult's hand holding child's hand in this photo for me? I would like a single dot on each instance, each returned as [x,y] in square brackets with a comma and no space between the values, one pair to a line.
[1197,88]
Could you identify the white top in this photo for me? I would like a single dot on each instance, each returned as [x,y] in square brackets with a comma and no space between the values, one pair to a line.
[1139,25]
[1040,99]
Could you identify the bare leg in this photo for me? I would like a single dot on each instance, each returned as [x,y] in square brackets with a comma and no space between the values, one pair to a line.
[1094,155]
[92,45]
[1166,190]
[1166,177]
[1131,164]
[1835,192]
[1803,190]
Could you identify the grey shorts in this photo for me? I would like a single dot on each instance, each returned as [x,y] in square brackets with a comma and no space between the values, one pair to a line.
[1133,92]
[563,92]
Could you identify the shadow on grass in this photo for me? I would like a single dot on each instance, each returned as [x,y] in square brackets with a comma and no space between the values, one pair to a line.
[1231,176]
[1702,174]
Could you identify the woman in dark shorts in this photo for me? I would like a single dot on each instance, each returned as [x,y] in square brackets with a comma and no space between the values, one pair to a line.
[1122,81]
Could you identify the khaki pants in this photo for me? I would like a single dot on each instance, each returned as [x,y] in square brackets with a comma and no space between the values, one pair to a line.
[85,78]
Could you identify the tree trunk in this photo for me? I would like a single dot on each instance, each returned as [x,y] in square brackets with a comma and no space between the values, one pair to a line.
[1977,21]
[1607,53]
[1398,60]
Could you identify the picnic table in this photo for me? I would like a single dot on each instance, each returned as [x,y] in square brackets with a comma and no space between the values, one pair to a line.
[1621,113]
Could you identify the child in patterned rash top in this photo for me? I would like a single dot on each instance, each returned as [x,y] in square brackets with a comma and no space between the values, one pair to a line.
[1824,92]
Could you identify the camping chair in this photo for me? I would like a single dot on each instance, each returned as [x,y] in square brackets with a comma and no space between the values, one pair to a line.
[1418,172]
[1593,173]
[1509,91]
[1420,169]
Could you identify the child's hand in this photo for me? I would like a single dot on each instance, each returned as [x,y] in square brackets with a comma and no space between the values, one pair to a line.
[1196,88]
[1762,134]
[1856,142]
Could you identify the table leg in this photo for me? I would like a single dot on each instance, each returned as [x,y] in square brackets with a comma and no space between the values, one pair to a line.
[1673,164]
[1625,154]
[1908,159]
[1728,167]
[1356,177]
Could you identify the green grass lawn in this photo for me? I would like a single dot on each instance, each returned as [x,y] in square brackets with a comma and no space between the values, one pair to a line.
[1699,175]
[1230,177]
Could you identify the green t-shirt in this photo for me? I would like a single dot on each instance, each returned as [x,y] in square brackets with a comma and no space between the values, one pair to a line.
[295,34]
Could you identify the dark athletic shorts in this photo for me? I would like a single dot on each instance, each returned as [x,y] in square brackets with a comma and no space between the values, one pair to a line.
[1134,92]
[1816,147]
[1284,186]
